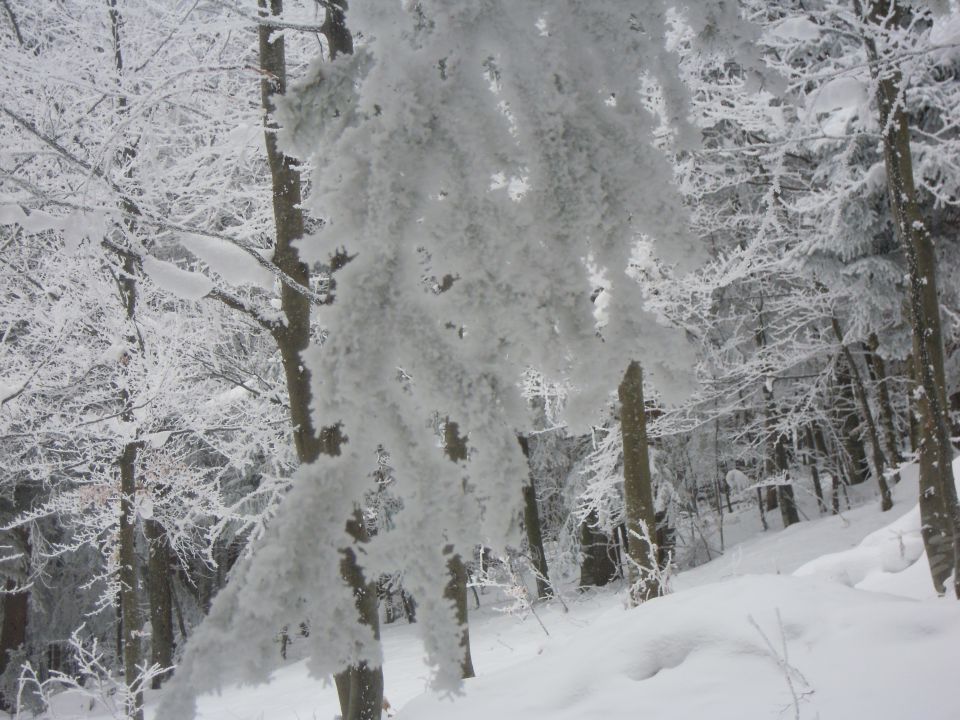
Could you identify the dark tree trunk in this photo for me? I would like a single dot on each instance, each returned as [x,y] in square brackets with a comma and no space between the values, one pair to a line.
[788,503]
[812,461]
[360,688]
[531,522]
[850,426]
[455,446]
[456,592]
[835,496]
[777,458]
[638,489]
[942,513]
[772,496]
[13,633]
[161,599]
[873,437]
[129,597]
[131,624]
[597,567]
[763,514]
[878,371]
[913,411]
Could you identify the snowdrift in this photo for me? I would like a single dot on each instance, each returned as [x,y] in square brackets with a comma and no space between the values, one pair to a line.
[753,647]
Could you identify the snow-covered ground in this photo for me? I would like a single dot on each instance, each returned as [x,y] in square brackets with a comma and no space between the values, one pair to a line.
[832,618]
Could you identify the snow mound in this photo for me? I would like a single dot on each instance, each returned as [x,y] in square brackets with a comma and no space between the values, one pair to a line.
[726,650]
[875,562]
[890,560]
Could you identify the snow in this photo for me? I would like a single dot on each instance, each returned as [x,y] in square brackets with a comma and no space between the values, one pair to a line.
[856,628]
[182,283]
[841,93]
[697,655]
[233,264]
[796,28]
[946,34]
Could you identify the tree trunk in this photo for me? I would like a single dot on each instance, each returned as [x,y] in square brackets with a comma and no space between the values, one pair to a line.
[360,688]
[936,471]
[161,600]
[813,460]
[16,608]
[878,371]
[850,426]
[129,600]
[596,564]
[638,489]
[782,495]
[876,453]
[531,522]
[788,503]
[763,514]
[130,620]
[456,591]
[913,411]
[936,528]
[836,469]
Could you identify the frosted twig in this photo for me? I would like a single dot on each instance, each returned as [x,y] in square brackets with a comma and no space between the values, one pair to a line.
[783,660]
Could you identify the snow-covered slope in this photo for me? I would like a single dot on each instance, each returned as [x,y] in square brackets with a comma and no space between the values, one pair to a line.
[809,645]
[703,654]
[855,631]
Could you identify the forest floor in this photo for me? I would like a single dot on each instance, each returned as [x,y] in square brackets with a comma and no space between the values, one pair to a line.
[833,618]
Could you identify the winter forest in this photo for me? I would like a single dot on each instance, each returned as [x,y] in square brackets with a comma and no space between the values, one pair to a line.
[544,359]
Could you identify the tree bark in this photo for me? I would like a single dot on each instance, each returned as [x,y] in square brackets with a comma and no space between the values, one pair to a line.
[873,437]
[850,427]
[129,597]
[813,461]
[878,371]
[16,614]
[360,688]
[788,503]
[161,600]
[455,447]
[936,466]
[936,527]
[638,489]
[782,495]
[596,566]
[130,621]
[456,592]
[531,522]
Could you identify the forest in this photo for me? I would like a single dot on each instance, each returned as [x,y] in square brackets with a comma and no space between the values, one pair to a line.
[453,358]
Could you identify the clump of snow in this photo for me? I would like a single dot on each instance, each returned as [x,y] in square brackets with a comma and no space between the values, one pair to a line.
[795,28]
[875,179]
[841,93]
[946,34]
[232,263]
[182,283]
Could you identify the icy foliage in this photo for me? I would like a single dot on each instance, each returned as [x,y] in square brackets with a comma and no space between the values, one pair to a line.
[498,146]
[405,167]
[408,136]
